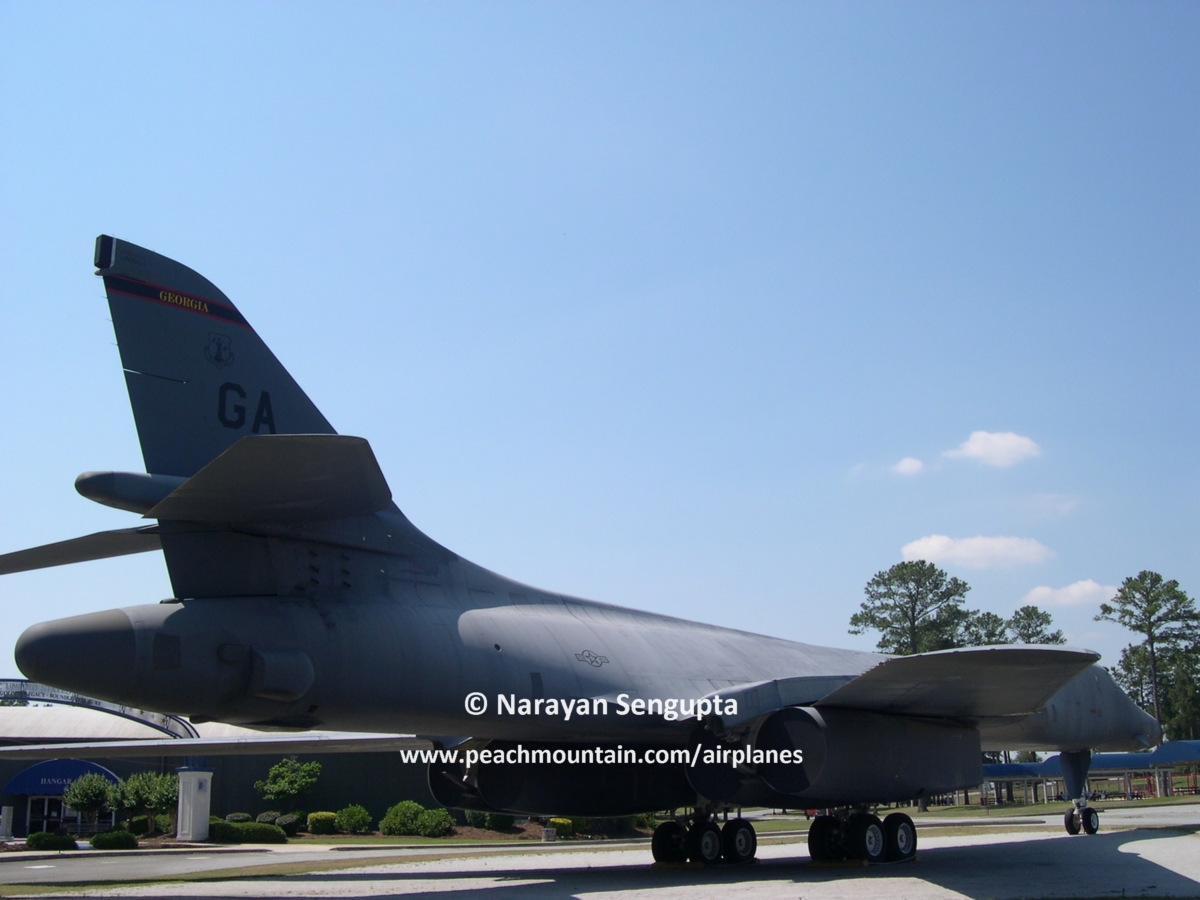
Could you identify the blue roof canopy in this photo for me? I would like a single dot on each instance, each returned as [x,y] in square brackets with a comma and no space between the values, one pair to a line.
[52,776]
[1172,753]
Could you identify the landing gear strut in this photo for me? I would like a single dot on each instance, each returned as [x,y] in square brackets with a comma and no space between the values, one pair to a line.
[1075,765]
[704,841]
[860,835]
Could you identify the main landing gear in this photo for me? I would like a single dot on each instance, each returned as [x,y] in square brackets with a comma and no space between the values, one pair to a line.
[704,841]
[1081,817]
[861,835]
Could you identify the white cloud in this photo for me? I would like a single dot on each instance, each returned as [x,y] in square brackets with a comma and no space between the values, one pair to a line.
[996,448]
[908,466]
[1081,593]
[977,552]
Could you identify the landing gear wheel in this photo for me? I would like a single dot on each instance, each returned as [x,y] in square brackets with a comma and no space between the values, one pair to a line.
[704,843]
[866,838]
[1071,822]
[900,835]
[822,837]
[739,843]
[667,845]
[1090,819]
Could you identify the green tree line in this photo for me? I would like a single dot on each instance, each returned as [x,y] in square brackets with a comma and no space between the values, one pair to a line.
[917,608]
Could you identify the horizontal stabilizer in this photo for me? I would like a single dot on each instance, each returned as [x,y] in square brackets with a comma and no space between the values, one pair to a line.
[281,478]
[100,545]
[267,745]
[966,683]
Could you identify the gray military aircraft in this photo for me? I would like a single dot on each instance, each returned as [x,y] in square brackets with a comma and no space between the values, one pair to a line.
[304,598]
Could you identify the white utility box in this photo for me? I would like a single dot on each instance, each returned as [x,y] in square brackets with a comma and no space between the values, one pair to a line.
[195,796]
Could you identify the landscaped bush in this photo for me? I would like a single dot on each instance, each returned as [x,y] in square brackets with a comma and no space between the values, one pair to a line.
[402,818]
[322,822]
[239,817]
[44,840]
[289,823]
[562,827]
[499,822]
[138,825]
[354,819]
[163,824]
[435,823]
[245,833]
[269,817]
[645,820]
[477,818]
[612,826]
[114,840]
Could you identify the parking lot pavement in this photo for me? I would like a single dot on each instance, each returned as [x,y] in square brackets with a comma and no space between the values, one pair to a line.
[1152,862]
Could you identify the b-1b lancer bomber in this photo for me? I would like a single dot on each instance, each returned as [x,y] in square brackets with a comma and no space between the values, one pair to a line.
[304,598]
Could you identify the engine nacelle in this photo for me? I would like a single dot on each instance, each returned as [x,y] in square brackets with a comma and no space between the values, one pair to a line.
[834,757]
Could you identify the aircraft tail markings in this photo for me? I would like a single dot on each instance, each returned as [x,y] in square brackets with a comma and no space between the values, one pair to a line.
[198,375]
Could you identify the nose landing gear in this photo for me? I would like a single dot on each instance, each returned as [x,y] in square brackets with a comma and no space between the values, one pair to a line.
[1081,817]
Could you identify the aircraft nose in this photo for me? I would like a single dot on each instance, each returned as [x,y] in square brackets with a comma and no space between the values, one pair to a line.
[93,654]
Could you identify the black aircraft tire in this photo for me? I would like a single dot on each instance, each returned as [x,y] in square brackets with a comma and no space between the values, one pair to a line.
[739,843]
[667,844]
[1090,820]
[867,840]
[1071,822]
[704,843]
[901,836]
[821,838]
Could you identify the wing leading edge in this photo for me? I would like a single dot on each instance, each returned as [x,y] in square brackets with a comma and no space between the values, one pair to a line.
[969,683]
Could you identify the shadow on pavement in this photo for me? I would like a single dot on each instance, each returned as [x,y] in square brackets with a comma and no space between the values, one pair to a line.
[1037,868]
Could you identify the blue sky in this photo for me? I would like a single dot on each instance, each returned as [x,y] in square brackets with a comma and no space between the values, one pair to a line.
[644,302]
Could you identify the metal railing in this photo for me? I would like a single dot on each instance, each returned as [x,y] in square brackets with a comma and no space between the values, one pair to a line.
[18,689]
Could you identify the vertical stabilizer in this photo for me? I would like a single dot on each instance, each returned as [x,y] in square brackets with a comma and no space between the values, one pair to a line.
[199,378]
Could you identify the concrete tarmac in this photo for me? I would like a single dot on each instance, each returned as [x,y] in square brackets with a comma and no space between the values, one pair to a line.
[1162,860]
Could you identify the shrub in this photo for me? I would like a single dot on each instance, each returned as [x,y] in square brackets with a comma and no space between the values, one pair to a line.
[354,819]
[402,818]
[435,823]
[138,825]
[477,818]
[499,822]
[44,840]
[239,817]
[289,823]
[269,817]
[114,840]
[163,824]
[288,779]
[245,833]
[645,820]
[562,827]
[612,826]
[322,822]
